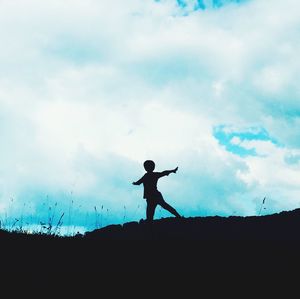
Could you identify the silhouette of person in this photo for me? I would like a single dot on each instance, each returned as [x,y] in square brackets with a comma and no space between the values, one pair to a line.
[151,194]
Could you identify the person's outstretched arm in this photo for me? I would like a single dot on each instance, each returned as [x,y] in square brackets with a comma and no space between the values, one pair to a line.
[138,182]
[167,172]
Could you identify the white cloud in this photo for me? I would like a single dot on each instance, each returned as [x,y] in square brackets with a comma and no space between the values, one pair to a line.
[236,141]
[89,89]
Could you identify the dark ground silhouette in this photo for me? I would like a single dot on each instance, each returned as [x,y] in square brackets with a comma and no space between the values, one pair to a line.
[201,244]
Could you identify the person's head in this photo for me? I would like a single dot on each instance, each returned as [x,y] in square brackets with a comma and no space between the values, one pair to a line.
[149,165]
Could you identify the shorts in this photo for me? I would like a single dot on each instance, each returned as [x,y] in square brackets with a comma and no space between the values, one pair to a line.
[156,198]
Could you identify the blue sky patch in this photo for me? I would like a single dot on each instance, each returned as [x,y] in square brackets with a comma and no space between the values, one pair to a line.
[181,3]
[225,136]
[204,4]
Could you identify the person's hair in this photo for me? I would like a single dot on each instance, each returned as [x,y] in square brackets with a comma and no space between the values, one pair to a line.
[149,165]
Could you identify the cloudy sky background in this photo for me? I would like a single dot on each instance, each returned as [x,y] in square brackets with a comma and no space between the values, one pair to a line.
[89,89]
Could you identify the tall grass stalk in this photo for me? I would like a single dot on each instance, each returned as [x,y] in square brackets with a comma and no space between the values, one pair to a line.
[263,202]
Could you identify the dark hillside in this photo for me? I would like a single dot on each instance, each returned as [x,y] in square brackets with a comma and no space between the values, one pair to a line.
[276,227]
[201,244]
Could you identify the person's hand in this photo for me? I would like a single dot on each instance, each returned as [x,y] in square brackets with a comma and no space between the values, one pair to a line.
[134,183]
[175,170]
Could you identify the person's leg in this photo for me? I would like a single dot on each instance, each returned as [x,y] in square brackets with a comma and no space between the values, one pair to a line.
[167,207]
[150,210]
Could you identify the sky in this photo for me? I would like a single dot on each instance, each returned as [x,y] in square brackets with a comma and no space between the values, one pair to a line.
[91,89]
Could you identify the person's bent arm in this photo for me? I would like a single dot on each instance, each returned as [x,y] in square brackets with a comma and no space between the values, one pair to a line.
[138,182]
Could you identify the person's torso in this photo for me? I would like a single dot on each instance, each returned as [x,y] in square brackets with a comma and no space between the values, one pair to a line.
[150,184]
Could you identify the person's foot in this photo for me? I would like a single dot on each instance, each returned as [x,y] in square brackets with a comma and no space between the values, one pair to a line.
[145,221]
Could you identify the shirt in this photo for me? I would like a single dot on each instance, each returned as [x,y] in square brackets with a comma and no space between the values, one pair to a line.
[149,181]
